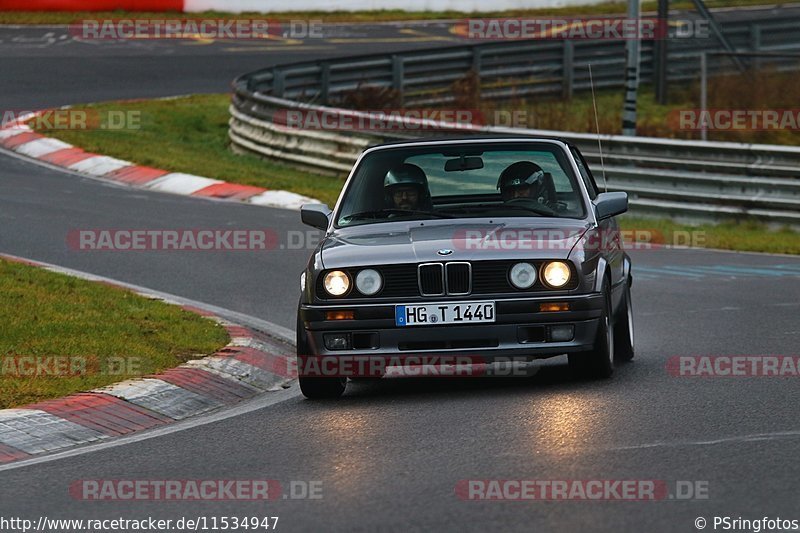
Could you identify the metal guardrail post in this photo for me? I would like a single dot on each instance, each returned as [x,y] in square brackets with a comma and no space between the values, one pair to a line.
[397,77]
[477,60]
[755,44]
[703,94]
[568,69]
[324,83]
[278,83]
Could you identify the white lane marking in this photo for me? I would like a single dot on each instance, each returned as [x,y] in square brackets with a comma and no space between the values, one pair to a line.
[178,183]
[748,309]
[41,147]
[243,408]
[754,437]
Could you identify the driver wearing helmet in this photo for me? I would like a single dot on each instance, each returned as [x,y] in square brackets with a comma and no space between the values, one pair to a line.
[523,179]
[406,187]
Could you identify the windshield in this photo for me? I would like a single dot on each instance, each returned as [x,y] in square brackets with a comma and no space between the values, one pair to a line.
[462,181]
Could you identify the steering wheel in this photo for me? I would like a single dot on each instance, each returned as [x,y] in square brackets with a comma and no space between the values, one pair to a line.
[533,205]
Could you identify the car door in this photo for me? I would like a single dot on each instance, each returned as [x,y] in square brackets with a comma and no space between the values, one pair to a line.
[610,239]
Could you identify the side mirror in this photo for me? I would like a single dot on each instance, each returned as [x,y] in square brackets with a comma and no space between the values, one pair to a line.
[610,204]
[316,215]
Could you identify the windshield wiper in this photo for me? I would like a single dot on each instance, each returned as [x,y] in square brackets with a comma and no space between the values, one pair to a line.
[383,213]
[547,212]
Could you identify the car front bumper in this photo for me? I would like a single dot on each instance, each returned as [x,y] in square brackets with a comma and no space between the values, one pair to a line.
[521,331]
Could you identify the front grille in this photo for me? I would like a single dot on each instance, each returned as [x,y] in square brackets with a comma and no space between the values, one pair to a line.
[459,278]
[431,279]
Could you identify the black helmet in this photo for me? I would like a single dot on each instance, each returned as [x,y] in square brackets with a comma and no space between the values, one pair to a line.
[408,175]
[405,174]
[521,174]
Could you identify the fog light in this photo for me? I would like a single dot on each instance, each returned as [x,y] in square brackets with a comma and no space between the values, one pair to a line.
[337,341]
[562,333]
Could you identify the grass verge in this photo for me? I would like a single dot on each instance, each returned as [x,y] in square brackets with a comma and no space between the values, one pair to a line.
[63,335]
[190,135]
[741,237]
[62,17]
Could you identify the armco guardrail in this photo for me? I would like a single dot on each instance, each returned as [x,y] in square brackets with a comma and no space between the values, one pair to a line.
[519,68]
[686,180]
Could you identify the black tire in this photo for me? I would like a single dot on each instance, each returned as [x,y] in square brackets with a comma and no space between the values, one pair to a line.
[315,388]
[623,328]
[322,388]
[599,362]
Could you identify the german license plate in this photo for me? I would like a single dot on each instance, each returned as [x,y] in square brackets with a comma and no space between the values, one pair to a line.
[444,313]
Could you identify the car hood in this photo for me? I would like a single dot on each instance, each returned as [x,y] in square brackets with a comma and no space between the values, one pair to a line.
[419,242]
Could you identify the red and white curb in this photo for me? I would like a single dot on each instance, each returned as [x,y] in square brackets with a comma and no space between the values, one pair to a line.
[252,363]
[20,138]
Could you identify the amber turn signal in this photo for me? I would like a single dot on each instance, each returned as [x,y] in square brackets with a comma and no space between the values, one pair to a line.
[340,315]
[554,307]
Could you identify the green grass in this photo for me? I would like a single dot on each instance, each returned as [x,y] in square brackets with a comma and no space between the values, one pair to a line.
[747,236]
[109,334]
[61,17]
[190,135]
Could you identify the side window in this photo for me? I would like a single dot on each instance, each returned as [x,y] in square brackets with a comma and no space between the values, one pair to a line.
[585,174]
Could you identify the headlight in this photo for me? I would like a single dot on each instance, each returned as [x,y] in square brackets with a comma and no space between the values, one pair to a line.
[336,283]
[303,282]
[369,282]
[556,274]
[523,275]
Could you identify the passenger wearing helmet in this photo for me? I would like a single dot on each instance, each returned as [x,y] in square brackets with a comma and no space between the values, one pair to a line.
[406,187]
[523,179]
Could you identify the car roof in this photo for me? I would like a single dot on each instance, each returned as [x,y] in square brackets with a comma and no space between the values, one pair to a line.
[463,138]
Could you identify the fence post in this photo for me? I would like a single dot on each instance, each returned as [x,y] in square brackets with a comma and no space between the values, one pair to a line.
[568,69]
[397,77]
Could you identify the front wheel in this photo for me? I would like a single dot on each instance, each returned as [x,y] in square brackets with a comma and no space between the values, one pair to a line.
[623,328]
[322,388]
[599,362]
[315,388]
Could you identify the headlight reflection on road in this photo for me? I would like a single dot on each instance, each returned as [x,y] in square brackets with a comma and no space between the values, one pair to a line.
[355,433]
[565,424]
